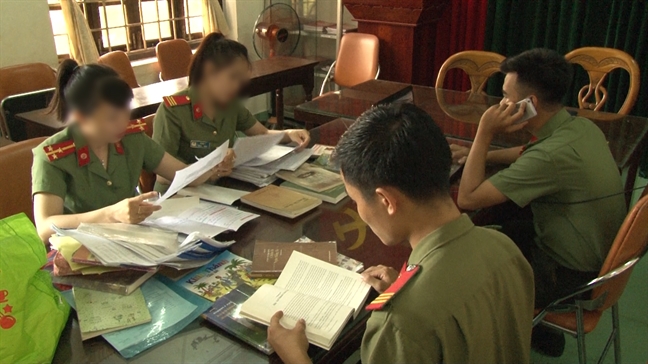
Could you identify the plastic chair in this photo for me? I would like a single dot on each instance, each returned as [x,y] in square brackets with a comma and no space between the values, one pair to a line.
[120,62]
[598,62]
[19,103]
[581,316]
[174,57]
[147,179]
[16,190]
[479,65]
[357,61]
[23,78]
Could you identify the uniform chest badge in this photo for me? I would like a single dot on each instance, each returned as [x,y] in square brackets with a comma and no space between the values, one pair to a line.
[199,144]
[406,273]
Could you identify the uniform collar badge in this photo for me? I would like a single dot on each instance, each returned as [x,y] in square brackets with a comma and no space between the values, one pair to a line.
[119,148]
[406,273]
[83,156]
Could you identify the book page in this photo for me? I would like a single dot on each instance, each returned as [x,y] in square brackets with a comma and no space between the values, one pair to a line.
[324,319]
[324,281]
[218,215]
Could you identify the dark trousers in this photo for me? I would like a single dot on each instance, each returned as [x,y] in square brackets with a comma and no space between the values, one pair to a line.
[552,280]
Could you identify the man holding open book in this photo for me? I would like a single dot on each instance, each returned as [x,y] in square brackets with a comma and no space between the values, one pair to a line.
[466,293]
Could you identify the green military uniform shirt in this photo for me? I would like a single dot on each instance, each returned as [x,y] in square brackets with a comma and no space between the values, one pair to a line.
[470,302]
[185,133]
[64,166]
[567,165]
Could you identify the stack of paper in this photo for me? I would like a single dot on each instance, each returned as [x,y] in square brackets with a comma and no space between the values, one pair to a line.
[259,158]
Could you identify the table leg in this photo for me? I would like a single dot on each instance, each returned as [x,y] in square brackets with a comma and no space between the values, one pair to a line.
[279,109]
[309,83]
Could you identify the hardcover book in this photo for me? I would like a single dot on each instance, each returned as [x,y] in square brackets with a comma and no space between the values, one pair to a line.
[271,258]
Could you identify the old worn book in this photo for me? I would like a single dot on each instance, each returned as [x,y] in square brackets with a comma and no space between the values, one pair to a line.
[121,282]
[281,201]
[224,313]
[311,177]
[100,312]
[334,195]
[270,258]
[324,295]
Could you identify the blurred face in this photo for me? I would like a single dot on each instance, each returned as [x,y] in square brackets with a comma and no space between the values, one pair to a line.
[106,123]
[226,83]
[378,213]
[514,92]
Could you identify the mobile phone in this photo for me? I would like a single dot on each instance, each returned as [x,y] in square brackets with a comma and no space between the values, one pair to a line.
[529,110]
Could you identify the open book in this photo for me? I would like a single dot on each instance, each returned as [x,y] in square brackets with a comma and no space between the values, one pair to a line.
[324,295]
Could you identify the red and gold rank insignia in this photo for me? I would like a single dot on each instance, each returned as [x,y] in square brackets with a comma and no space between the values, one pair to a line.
[406,273]
[119,148]
[197,111]
[171,101]
[59,150]
[136,126]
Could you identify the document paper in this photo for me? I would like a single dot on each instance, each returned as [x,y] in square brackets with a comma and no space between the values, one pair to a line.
[249,148]
[191,173]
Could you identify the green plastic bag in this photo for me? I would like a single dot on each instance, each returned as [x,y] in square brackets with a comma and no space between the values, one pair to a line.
[32,312]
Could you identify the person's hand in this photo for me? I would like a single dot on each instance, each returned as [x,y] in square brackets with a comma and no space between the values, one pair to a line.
[459,153]
[290,345]
[133,210]
[502,118]
[225,167]
[380,277]
[299,136]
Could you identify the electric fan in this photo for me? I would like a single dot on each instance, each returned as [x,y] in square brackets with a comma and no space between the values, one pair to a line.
[276,31]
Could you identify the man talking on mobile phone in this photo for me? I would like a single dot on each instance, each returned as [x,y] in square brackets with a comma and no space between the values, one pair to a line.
[566,173]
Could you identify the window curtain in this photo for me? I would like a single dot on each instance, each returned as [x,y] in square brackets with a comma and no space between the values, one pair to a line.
[82,46]
[214,18]
[514,26]
[461,28]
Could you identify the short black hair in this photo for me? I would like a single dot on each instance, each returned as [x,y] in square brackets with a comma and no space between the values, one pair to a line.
[545,71]
[396,145]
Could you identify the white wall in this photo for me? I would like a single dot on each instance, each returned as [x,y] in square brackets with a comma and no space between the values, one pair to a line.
[26,33]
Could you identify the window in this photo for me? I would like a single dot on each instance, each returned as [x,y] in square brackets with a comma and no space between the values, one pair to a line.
[133,26]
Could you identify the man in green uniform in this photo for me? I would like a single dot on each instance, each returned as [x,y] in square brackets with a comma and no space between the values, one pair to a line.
[466,293]
[566,173]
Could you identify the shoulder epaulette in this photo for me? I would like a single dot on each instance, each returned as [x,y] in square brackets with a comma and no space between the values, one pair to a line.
[135,126]
[178,100]
[59,150]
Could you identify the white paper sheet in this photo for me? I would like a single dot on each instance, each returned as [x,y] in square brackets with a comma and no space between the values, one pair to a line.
[289,162]
[218,215]
[275,153]
[175,206]
[226,196]
[191,173]
[249,148]
[186,226]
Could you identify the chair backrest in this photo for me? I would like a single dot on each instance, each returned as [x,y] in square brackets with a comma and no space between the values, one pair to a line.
[24,78]
[479,65]
[174,57]
[598,62]
[15,128]
[147,179]
[357,60]
[120,62]
[630,242]
[16,189]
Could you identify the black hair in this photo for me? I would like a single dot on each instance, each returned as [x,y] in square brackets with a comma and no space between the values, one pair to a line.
[84,87]
[542,70]
[217,49]
[396,145]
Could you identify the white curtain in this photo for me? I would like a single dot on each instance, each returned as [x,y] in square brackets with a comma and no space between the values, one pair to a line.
[214,18]
[82,46]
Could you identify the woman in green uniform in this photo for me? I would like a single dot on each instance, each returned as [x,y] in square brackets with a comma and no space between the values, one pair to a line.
[195,121]
[89,171]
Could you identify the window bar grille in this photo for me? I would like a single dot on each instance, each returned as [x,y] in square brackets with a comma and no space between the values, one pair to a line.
[141,24]
[172,19]
[157,11]
[105,13]
[129,36]
[187,18]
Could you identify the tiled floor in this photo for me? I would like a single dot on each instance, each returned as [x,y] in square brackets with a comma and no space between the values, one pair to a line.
[633,311]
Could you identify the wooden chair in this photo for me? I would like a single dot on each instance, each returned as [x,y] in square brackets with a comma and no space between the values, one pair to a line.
[357,61]
[20,79]
[576,316]
[16,159]
[174,57]
[598,62]
[120,62]
[147,179]
[479,65]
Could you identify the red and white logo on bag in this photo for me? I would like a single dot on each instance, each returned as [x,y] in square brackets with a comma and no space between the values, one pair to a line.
[6,319]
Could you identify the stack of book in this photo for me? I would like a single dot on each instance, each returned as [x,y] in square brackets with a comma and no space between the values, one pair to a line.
[315,181]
